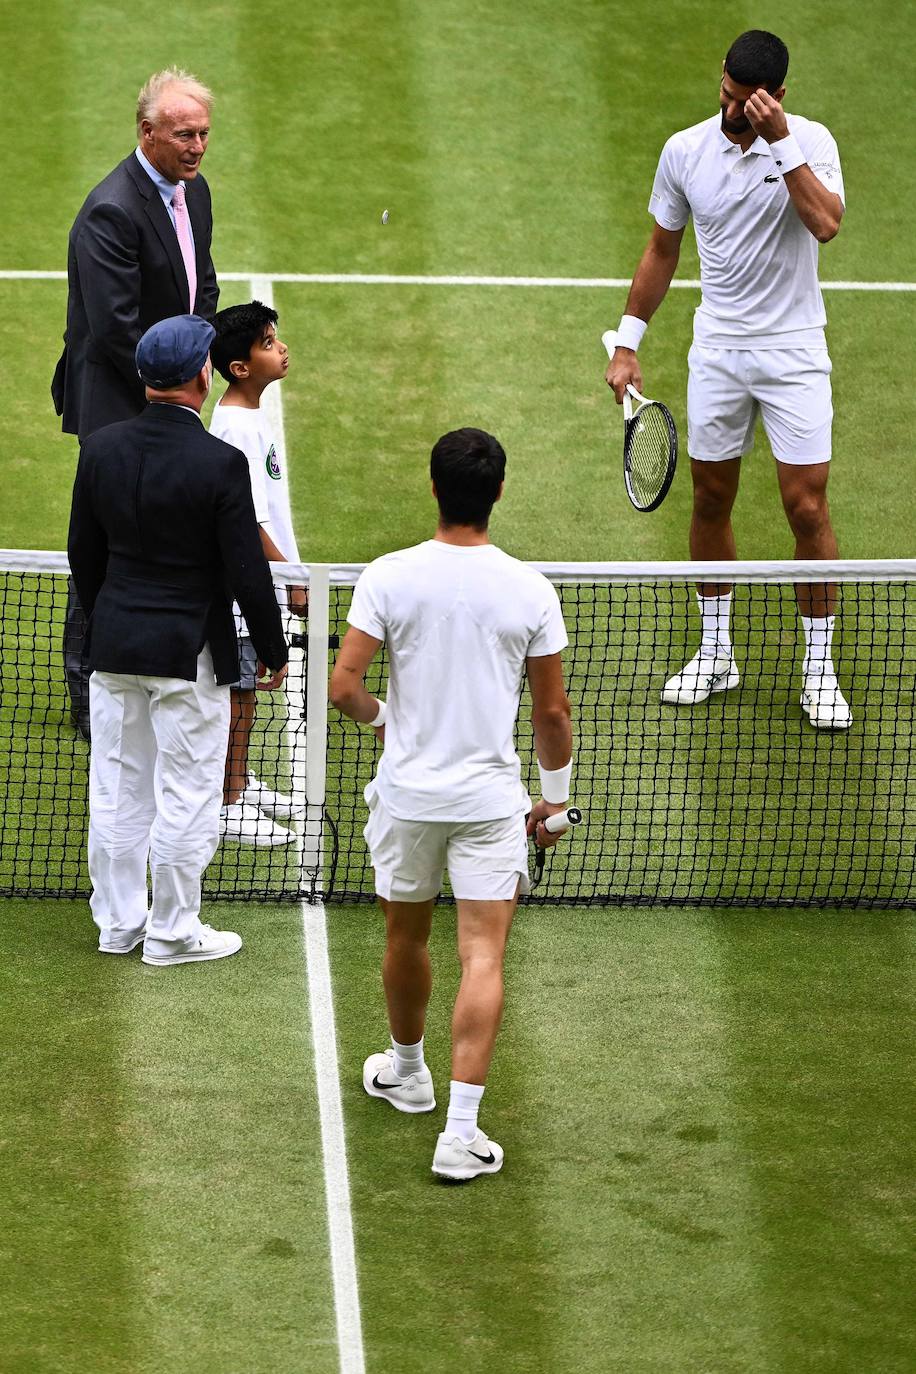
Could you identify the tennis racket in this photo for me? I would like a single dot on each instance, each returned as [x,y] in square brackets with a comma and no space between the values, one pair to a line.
[557,825]
[649,444]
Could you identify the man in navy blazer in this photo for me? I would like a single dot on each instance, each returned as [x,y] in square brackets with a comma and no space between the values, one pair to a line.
[127,270]
[163,534]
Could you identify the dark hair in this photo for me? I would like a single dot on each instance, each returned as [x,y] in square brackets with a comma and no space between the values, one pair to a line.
[758,58]
[467,466]
[238,328]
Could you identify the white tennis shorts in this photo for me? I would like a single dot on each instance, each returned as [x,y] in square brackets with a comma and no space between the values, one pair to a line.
[789,387]
[486,860]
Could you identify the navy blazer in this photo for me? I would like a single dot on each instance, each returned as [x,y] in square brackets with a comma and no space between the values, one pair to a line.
[162,535]
[125,273]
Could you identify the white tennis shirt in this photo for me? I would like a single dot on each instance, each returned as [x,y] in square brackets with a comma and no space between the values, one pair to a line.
[758,262]
[252,432]
[459,623]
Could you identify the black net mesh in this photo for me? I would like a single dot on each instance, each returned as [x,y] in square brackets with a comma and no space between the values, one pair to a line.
[734,801]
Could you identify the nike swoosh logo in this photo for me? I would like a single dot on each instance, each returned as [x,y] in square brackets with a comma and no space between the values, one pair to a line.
[384,1087]
[484,1159]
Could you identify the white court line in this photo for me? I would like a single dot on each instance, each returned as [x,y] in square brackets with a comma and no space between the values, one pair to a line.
[321,1009]
[383,279]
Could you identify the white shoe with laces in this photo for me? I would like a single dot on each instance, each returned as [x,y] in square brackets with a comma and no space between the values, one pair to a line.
[824,703]
[246,824]
[276,804]
[414,1093]
[209,944]
[699,678]
[460,1161]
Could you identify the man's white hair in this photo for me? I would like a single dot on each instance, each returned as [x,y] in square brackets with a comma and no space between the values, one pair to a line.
[173,78]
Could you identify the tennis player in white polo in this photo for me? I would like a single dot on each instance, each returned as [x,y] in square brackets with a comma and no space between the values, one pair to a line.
[764,189]
[463,624]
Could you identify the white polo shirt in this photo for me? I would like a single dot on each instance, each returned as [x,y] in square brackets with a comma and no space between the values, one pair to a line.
[758,262]
[459,623]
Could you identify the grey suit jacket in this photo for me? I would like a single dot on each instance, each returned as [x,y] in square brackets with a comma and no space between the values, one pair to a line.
[125,272]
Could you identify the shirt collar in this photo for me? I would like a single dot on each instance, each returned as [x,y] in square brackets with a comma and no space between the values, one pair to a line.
[759,145]
[176,405]
[162,184]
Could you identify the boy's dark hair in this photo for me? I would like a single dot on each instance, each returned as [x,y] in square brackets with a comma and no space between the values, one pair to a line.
[467,466]
[758,58]
[238,329]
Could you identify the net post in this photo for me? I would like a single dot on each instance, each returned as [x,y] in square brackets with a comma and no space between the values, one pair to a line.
[316,706]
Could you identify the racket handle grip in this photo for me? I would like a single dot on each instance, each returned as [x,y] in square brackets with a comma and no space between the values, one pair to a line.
[561,822]
[609,339]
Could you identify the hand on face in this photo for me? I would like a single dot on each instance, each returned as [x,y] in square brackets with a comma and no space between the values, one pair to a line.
[766,116]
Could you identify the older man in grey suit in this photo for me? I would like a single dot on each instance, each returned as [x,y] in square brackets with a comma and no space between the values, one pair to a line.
[139,252]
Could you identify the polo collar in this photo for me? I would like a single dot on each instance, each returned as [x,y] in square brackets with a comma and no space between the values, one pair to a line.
[759,145]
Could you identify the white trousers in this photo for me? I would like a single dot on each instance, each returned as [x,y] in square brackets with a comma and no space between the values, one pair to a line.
[155,788]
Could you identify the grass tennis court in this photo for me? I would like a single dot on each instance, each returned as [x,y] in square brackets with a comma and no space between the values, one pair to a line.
[706,1113]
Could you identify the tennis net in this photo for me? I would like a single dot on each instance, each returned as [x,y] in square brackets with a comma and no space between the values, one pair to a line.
[736,801]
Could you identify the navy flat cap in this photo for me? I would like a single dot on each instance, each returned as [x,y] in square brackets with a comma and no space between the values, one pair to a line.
[173,351]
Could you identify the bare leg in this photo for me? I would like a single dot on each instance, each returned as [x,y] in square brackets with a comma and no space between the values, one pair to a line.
[715,486]
[406,971]
[483,930]
[241,720]
[804,499]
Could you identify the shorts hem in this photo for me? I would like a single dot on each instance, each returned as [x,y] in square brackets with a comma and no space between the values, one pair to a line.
[801,462]
[486,883]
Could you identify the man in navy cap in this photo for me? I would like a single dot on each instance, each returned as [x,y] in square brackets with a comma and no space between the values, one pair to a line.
[162,536]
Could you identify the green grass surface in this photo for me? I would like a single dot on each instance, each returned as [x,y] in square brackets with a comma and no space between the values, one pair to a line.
[704,1113]
[164,1201]
[708,1154]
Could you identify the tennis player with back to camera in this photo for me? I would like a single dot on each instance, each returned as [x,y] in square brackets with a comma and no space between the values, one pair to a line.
[764,188]
[463,623]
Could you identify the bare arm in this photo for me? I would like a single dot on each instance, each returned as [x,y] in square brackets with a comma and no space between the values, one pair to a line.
[347,690]
[650,283]
[550,716]
[819,209]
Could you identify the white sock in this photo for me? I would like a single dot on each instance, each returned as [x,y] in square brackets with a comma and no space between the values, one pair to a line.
[715,613]
[408,1059]
[818,640]
[463,1102]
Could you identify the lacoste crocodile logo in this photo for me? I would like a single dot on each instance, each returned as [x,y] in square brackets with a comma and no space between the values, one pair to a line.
[771,178]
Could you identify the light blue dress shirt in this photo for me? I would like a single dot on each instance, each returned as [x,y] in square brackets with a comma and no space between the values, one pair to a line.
[165,188]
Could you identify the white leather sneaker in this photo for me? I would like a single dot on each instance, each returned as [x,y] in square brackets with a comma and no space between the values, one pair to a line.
[459,1161]
[411,1094]
[276,804]
[246,824]
[824,703]
[699,678]
[210,944]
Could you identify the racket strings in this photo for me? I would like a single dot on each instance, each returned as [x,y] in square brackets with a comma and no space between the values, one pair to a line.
[648,453]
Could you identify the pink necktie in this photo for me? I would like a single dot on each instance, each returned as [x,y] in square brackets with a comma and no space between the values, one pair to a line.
[185,242]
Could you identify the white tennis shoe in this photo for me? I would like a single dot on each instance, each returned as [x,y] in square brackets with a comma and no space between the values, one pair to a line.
[699,678]
[276,804]
[247,824]
[824,703]
[209,944]
[414,1093]
[462,1161]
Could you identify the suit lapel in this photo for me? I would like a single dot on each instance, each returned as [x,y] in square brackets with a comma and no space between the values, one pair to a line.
[158,217]
[200,227]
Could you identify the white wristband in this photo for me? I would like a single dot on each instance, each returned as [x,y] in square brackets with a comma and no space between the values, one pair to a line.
[630,331]
[787,154]
[382,712]
[555,783]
